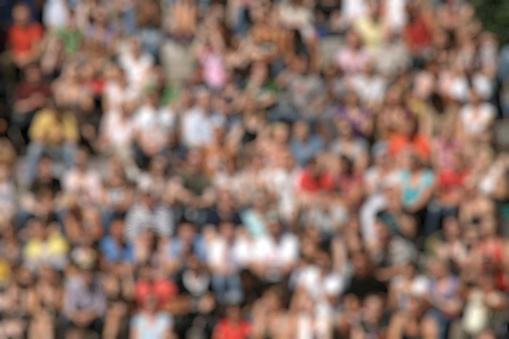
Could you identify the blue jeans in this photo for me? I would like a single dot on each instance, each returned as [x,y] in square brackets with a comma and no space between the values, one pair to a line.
[35,151]
[435,214]
[227,288]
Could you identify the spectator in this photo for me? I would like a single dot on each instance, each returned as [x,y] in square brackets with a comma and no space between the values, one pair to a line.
[55,131]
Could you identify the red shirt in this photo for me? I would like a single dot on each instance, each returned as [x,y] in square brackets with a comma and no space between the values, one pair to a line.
[229,330]
[163,289]
[309,183]
[417,35]
[449,180]
[22,38]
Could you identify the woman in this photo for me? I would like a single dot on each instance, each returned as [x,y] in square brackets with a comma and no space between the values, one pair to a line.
[416,185]
[151,323]
[358,117]
[415,323]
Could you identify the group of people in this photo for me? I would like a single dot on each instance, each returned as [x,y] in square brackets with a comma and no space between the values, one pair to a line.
[252,169]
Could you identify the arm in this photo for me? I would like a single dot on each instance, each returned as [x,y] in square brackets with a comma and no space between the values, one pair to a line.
[395,329]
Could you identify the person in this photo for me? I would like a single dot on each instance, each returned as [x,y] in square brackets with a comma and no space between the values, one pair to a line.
[150,323]
[148,213]
[232,326]
[84,304]
[55,131]
[24,36]
[261,169]
[31,95]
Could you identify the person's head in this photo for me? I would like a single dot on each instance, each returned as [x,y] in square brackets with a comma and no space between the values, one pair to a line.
[136,47]
[152,97]
[438,268]
[148,195]
[233,312]
[275,228]
[36,228]
[323,260]
[194,159]
[81,158]
[451,227]
[301,130]
[362,265]
[301,64]
[33,74]
[45,168]
[117,228]
[416,305]
[353,40]
[227,230]
[344,129]
[280,133]
[203,99]
[382,231]
[157,166]
[21,14]
[412,161]
[373,308]
[150,303]
[488,226]
[186,232]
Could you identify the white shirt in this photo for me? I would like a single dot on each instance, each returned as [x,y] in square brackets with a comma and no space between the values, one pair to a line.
[473,123]
[55,14]
[116,95]
[353,9]
[137,70]
[235,255]
[284,252]
[395,14]
[118,130]
[371,89]
[198,127]
[317,285]
[150,122]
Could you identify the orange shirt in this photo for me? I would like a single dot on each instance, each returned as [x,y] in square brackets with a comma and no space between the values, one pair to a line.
[22,38]
[418,144]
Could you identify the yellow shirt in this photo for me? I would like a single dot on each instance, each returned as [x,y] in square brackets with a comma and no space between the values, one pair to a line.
[371,32]
[47,128]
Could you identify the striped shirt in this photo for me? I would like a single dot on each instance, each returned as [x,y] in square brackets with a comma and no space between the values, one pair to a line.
[140,218]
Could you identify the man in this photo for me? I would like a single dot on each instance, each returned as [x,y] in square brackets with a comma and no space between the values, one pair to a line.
[148,214]
[199,122]
[85,303]
[54,131]
[31,95]
[24,37]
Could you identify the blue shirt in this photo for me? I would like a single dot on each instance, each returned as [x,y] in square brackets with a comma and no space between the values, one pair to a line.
[411,193]
[113,252]
[155,329]
[305,151]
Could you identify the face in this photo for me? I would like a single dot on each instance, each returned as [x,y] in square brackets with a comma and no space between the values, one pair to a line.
[45,168]
[451,227]
[117,228]
[301,130]
[33,75]
[203,100]
[21,14]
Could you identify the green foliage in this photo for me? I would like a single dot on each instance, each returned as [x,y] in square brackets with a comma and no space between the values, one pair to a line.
[494,15]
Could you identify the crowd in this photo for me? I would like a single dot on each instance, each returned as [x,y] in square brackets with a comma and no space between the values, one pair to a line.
[252,169]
